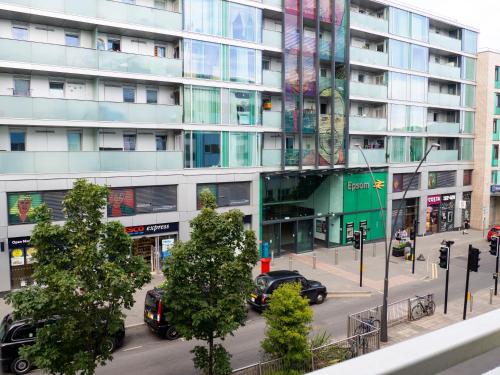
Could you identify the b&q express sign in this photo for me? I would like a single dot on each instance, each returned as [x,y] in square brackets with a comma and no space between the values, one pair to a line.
[144,230]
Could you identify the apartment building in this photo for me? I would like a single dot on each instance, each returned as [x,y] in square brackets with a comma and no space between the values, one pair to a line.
[261,102]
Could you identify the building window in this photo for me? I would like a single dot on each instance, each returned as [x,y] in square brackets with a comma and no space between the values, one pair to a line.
[160,51]
[17,140]
[498,101]
[129,141]
[468,177]
[151,199]
[56,89]
[401,181]
[202,149]
[152,96]
[161,143]
[227,194]
[114,45]
[442,179]
[74,141]
[243,64]
[129,94]
[21,87]
[20,32]
[72,40]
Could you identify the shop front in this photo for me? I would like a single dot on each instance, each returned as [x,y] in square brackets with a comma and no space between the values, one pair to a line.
[440,213]
[407,218]
[21,262]
[466,205]
[153,242]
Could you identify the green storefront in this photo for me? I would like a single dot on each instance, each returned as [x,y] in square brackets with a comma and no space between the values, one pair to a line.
[307,210]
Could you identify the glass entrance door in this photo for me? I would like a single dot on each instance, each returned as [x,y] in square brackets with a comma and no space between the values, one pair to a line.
[271,235]
[305,235]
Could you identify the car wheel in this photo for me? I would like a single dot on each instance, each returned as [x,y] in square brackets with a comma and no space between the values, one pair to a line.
[320,298]
[172,334]
[21,366]
[109,345]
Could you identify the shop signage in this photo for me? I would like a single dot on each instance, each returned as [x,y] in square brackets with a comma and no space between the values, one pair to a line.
[144,230]
[19,242]
[353,186]
[17,248]
[364,224]
[349,232]
[448,197]
[434,200]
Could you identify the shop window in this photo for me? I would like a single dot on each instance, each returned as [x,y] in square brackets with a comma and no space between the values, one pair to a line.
[151,199]
[401,181]
[442,179]
[21,206]
[227,194]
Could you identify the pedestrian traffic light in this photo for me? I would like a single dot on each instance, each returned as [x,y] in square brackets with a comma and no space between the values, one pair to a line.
[493,245]
[474,259]
[444,253]
[357,240]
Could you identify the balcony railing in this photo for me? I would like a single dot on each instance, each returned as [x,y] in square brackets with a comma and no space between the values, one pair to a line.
[91,161]
[109,11]
[271,79]
[271,158]
[274,3]
[368,124]
[368,90]
[443,127]
[494,162]
[374,156]
[446,71]
[271,38]
[371,23]
[441,156]
[271,119]
[446,42]
[445,100]
[87,58]
[369,56]
[14,107]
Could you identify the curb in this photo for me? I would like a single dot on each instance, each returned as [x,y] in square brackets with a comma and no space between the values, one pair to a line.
[349,294]
[134,325]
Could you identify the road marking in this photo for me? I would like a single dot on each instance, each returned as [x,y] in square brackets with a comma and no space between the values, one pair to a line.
[133,348]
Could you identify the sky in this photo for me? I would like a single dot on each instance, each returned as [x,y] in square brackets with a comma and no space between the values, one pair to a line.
[481,14]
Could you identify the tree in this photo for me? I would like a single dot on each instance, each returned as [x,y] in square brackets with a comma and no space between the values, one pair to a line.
[85,276]
[208,280]
[288,321]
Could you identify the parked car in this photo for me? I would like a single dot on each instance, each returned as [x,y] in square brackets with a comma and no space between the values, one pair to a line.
[155,315]
[268,282]
[16,333]
[494,231]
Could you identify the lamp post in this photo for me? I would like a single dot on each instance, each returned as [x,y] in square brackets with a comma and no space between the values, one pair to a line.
[388,245]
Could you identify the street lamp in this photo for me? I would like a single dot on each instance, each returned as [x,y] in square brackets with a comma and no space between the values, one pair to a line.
[383,320]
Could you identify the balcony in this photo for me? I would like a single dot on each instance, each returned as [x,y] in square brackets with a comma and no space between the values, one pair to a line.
[271,158]
[445,100]
[86,58]
[371,23]
[442,156]
[446,42]
[367,124]
[375,157]
[15,107]
[368,90]
[369,56]
[494,162]
[91,161]
[271,79]
[271,119]
[109,11]
[271,38]
[445,71]
[274,3]
[443,128]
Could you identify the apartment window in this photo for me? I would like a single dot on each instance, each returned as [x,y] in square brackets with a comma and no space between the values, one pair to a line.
[21,87]
[323,73]
[160,4]
[17,140]
[72,40]
[361,78]
[161,143]
[56,89]
[360,111]
[152,96]
[74,141]
[19,32]
[419,58]
[129,94]
[266,65]
[129,141]
[160,51]
[498,101]
[468,177]
[114,45]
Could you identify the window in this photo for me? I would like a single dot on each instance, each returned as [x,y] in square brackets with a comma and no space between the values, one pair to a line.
[129,94]
[24,333]
[498,101]
[202,149]
[227,194]
[74,141]
[398,117]
[151,199]
[121,202]
[398,149]
[419,58]
[418,89]
[101,46]
[56,89]
[398,86]
[114,45]
[129,141]
[244,22]
[399,54]
[242,107]
[468,177]
[266,65]
[202,59]
[401,181]
[469,41]
[416,149]
[399,22]
[202,16]
[418,116]
[467,149]
[152,96]
[202,105]
[419,27]
[22,87]
[20,32]
[72,40]
[160,51]
[161,143]
[17,140]
[442,179]
[243,64]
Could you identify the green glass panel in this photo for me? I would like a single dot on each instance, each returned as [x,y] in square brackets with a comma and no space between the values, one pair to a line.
[397,151]
[467,149]
[416,149]
[206,105]
[468,122]
[225,149]
[469,71]
[470,96]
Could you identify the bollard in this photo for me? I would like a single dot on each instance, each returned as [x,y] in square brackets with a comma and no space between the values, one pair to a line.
[491,296]
[355,255]
[290,263]
[314,261]
[374,249]
[336,260]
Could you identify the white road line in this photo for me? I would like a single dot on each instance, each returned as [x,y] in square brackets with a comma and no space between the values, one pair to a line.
[133,348]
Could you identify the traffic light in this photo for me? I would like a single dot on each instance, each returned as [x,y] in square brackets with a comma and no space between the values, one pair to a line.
[357,240]
[474,259]
[493,245]
[444,253]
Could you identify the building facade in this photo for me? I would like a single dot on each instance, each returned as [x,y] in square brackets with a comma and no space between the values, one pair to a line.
[263,103]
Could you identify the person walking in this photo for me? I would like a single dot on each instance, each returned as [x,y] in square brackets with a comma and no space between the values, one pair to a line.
[466,226]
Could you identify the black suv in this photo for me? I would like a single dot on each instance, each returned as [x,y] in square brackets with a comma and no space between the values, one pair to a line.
[268,282]
[16,333]
[155,315]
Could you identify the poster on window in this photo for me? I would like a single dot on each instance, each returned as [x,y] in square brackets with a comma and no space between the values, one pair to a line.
[349,232]
[364,224]
[21,207]
[30,255]
[121,202]
[17,257]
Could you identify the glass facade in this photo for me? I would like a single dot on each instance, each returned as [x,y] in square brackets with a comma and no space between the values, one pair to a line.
[469,41]
[399,22]
[419,27]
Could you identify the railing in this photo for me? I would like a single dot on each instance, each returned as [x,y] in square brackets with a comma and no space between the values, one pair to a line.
[369,22]
[442,70]
[446,100]
[441,156]
[369,56]
[370,124]
[376,156]
[271,38]
[271,79]
[271,119]
[275,3]
[445,42]
[443,127]
[271,157]
[368,90]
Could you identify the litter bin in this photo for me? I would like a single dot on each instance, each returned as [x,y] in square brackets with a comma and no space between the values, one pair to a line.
[265,265]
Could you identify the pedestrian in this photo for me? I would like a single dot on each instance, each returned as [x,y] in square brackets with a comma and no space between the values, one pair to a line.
[466,226]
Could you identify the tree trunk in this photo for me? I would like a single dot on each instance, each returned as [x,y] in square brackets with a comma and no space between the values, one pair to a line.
[210,355]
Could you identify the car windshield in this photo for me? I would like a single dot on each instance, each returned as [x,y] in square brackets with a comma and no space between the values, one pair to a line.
[262,283]
[150,302]
[3,330]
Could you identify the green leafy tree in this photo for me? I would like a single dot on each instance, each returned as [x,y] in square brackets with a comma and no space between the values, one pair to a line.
[208,280]
[288,320]
[85,276]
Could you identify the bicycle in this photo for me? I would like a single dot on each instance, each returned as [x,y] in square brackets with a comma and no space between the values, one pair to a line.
[367,325]
[424,306]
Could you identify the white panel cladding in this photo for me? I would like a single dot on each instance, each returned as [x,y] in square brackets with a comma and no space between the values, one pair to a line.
[146,140]
[111,138]
[46,139]
[5,28]
[6,84]
[4,138]
[89,139]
